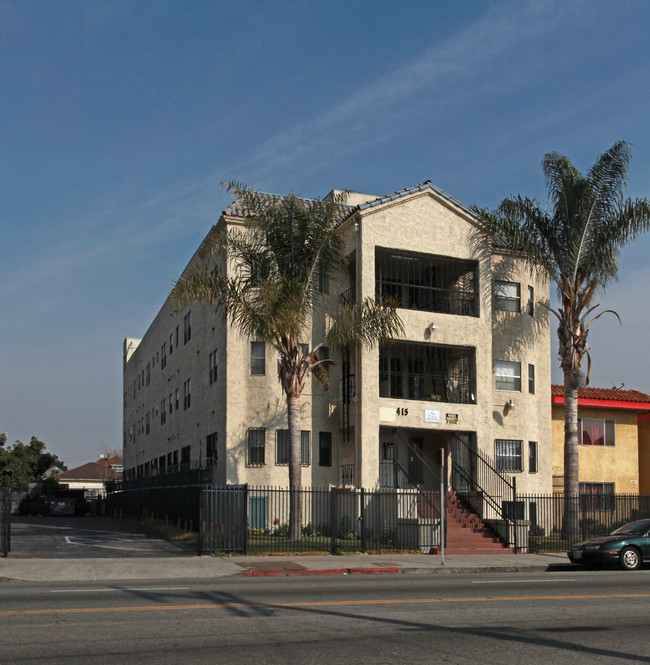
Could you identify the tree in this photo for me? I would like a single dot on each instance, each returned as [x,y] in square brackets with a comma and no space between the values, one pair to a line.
[577,242]
[272,291]
[25,463]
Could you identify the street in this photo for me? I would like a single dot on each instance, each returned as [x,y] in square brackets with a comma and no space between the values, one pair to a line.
[567,617]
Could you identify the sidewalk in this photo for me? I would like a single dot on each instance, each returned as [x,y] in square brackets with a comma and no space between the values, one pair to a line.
[207,567]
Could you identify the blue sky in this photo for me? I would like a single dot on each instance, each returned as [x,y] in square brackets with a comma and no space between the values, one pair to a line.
[120,119]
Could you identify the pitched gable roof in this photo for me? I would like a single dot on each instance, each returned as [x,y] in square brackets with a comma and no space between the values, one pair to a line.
[100,470]
[632,398]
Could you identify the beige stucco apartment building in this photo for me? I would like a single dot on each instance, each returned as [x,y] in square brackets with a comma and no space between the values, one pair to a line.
[471,376]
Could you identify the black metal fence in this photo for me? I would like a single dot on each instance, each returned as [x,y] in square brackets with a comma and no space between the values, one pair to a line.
[5,517]
[598,515]
[250,520]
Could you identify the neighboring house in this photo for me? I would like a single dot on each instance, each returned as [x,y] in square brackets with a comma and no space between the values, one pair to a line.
[614,430]
[91,477]
[470,376]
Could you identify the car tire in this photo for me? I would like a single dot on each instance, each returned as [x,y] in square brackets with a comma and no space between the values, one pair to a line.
[630,558]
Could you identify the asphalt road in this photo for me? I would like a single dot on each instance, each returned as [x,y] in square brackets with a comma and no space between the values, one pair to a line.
[579,617]
[86,537]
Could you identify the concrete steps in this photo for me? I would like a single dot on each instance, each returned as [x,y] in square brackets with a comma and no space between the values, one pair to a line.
[466,532]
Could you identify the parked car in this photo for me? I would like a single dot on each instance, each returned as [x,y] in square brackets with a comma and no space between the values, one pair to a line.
[628,546]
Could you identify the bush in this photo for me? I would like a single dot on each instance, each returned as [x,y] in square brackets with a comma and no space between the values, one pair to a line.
[536,531]
[281,531]
[309,530]
[592,528]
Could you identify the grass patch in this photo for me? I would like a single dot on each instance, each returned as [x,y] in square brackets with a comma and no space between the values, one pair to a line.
[171,532]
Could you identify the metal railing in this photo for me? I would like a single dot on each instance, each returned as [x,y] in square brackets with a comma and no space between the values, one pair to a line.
[254,520]
[482,487]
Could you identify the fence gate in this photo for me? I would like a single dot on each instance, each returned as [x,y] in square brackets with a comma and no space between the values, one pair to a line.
[5,517]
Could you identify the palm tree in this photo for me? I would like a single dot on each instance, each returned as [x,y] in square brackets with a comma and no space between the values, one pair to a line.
[577,242]
[270,293]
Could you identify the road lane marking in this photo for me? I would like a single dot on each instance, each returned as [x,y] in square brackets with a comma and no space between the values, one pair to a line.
[91,590]
[317,603]
[553,581]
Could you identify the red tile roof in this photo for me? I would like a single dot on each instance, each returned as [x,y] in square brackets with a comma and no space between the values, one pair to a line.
[605,394]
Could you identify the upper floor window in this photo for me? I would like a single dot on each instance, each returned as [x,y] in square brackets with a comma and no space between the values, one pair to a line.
[531,301]
[211,446]
[532,457]
[508,455]
[531,379]
[163,356]
[507,296]
[507,375]
[148,374]
[428,283]
[323,282]
[258,358]
[427,372]
[212,364]
[171,344]
[595,432]
[187,327]
[325,449]
[282,447]
[163,412]
[187,394]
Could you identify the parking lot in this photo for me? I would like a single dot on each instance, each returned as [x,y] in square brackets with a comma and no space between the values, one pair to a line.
[86,537]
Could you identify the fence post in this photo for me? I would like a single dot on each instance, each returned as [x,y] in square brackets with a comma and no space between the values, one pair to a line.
[362,520]
[333,520]
[244,514]
[201,518]
[514,507]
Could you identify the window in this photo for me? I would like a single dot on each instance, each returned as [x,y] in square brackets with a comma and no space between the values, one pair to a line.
[258,358]
[508,455]
[211,446]
[148,375]
[163,356]
[388,450]
[147,423]
[163,412]
[185,457]
[171,344]
[305,448]
[255,448]
[596,496]
[282,447]
[171,403]
[323,282]
[427,372]
[325,449]
[177,397]
[324,354]
[187,327]
[427,283]
[187,394]
[507,375]
[212,372]
[532,457]
[594,432]
[531,379]
[507,296]
[176,337]
[531,301]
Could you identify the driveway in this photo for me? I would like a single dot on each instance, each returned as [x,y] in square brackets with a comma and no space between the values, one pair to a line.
[86,537]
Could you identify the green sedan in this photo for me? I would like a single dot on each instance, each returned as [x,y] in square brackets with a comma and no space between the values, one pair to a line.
[629,547]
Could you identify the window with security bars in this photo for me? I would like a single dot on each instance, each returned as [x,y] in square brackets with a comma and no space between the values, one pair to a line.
[507,296]
[255,448]
[282,447]
[427,372]
[597,496]
[508,455]
[427,283]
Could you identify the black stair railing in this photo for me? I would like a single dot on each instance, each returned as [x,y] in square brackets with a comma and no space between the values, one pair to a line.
[476,479]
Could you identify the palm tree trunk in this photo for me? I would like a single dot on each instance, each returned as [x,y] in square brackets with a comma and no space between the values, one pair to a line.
[571,470]
[293,408]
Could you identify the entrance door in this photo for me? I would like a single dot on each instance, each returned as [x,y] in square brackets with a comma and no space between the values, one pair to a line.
[415,459]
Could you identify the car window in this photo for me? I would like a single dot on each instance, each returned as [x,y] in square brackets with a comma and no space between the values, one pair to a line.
[633,529]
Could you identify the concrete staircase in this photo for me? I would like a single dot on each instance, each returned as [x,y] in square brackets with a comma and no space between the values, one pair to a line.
[466,532]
